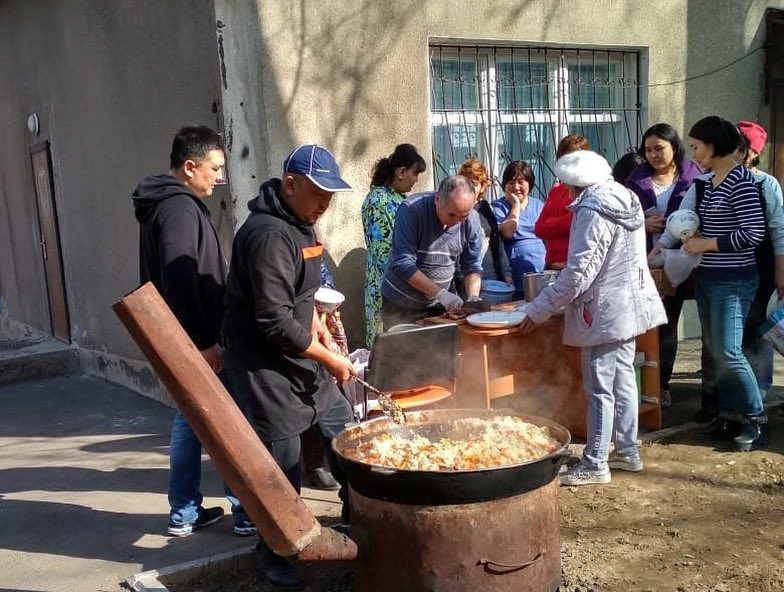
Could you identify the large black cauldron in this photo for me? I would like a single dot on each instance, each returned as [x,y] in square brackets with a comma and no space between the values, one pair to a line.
[445,487]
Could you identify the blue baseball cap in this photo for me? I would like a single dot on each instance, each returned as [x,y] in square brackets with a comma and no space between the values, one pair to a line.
[317,164]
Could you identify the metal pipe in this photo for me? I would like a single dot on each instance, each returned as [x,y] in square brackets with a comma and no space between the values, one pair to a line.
[284,521]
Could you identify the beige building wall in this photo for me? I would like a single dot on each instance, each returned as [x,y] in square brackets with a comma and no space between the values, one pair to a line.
[111,82]
[355,77]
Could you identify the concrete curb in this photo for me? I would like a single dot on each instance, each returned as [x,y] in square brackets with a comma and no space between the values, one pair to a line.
[153,580]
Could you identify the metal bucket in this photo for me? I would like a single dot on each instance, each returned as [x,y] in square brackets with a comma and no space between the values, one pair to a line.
[534,283]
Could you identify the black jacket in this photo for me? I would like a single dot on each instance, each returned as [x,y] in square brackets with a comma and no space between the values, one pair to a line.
[179,252]
[274,273]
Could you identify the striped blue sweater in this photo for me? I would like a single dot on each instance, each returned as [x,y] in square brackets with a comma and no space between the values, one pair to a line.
[732,213]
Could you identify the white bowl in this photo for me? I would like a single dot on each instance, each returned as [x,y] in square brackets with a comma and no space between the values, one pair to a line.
[683,224]
[496,319]
[328,300]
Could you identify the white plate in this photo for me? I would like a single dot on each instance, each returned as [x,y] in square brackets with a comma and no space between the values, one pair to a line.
[496,319]
[774,304]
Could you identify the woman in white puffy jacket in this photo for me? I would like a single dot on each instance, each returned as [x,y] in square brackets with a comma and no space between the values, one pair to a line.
[609,298]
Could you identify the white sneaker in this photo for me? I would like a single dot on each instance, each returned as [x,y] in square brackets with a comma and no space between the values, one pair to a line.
[579,474]
[631,463]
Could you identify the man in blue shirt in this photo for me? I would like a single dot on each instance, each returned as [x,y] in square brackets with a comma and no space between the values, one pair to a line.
[432,232]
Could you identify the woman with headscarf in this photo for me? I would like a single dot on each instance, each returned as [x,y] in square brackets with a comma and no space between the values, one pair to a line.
[609,298]
[770,254]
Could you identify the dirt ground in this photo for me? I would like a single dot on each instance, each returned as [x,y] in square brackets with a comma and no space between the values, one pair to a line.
[700,517]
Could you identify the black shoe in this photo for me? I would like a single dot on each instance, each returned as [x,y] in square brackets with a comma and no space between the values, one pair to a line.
[721,428]
[341,528]
[205,517]
[705,415]
[277,570]
[321,478]
[753,436]
[245,528]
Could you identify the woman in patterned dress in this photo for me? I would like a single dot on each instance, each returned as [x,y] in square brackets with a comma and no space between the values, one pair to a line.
[393,176]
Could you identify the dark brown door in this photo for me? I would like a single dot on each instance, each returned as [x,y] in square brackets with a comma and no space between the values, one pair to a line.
[50,241]
[777,141]
[774,87]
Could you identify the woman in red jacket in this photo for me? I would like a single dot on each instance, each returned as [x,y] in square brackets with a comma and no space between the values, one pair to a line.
[555,220]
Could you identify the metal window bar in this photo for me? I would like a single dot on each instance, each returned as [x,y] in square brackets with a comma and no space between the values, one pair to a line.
[523,114]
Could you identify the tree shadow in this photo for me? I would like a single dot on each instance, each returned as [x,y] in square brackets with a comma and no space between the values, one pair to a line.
[52,478]
[90,533]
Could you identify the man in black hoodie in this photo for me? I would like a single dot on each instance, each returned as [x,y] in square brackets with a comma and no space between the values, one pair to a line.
[277,351]
[179,252]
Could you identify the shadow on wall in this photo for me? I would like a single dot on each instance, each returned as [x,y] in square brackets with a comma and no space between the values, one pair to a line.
[723,73]
[350,279]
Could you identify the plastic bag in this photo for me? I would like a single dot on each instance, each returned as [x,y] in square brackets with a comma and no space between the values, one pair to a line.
[354,392]
[656,261]
[679,264]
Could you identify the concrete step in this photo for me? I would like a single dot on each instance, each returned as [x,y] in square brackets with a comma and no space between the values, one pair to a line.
[35,356]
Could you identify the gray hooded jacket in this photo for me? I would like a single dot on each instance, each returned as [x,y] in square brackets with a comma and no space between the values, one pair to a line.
[606,290]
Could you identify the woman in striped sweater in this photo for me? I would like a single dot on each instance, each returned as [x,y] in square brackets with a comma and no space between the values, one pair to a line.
[732,224]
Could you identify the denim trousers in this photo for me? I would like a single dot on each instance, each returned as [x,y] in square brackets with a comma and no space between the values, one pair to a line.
[668,333]
[759,351]
[287,451]
[723,305]
[185,495]
[611,389]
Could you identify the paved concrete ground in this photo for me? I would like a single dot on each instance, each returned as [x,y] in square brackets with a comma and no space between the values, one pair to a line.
[83,477]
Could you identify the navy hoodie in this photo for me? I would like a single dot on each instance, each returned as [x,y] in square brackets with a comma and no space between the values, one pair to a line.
[179,252]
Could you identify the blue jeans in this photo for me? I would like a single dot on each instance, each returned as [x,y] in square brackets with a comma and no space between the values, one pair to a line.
[611,389]
[185,496]
[760,356]
[723,304]
[759,352]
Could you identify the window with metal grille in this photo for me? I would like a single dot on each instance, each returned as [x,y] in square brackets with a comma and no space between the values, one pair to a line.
[500,104]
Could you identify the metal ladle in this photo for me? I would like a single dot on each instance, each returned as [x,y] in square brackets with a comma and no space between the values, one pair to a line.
[388,405]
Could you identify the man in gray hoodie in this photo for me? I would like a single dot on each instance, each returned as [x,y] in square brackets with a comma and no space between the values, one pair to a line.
[609,298]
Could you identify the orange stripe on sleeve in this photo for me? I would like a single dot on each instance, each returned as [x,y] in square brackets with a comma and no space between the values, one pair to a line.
[313,252]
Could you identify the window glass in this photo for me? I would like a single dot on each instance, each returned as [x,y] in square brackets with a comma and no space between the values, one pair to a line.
[532,143]
[453,145]
[521,85]
[595,86]
[454,84]
[500,104]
